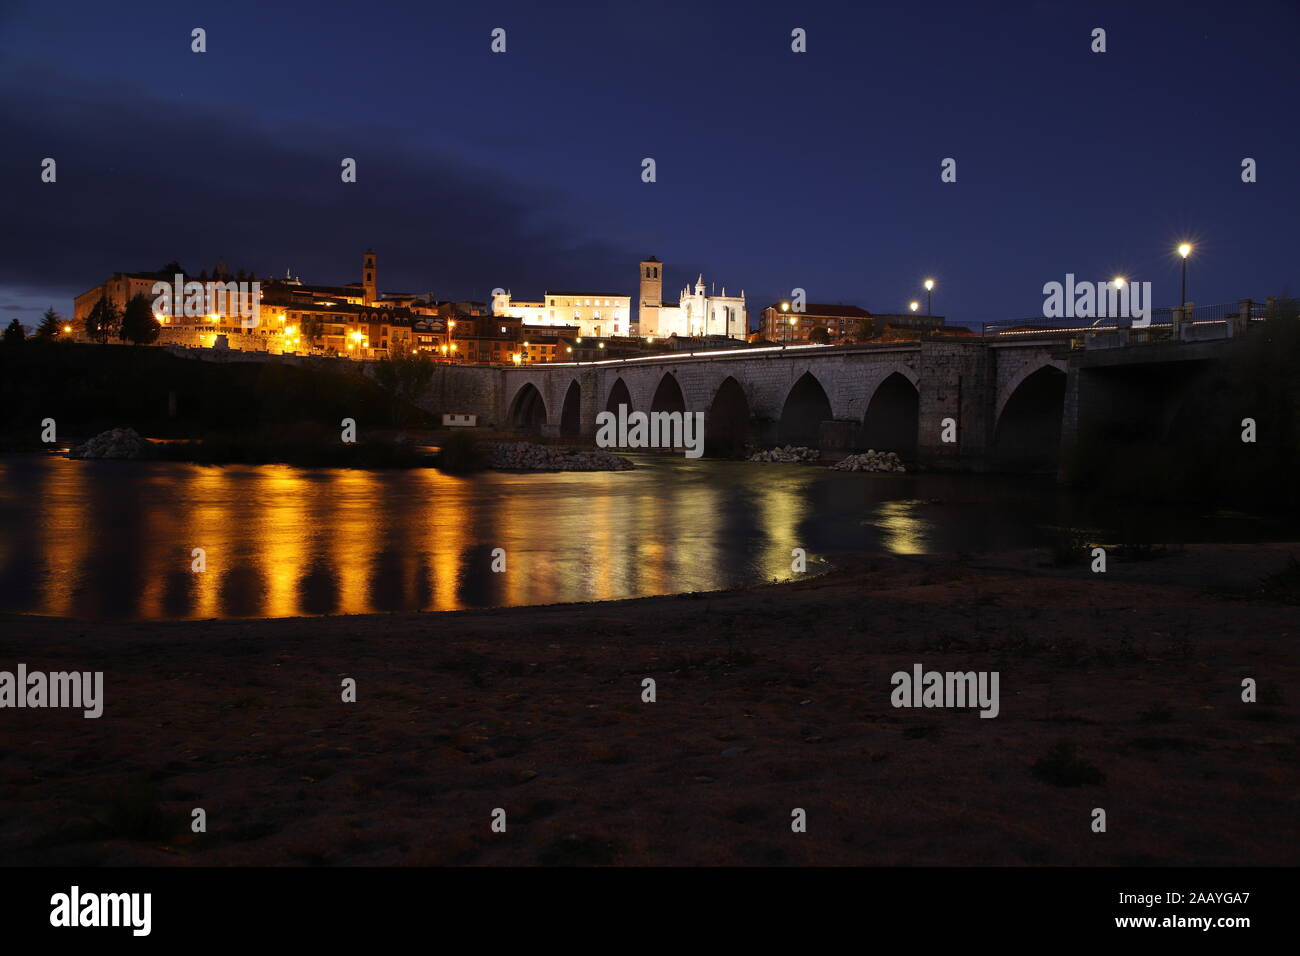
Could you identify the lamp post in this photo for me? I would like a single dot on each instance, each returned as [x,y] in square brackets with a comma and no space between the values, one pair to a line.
[914,305]
[929,297]
[1184,250]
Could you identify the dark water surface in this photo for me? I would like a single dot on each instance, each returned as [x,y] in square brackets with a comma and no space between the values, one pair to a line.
[107,539]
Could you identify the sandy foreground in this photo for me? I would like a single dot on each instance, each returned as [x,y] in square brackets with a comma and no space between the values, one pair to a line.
[769,699]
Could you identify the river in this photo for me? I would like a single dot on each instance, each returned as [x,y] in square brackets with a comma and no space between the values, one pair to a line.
[116,539]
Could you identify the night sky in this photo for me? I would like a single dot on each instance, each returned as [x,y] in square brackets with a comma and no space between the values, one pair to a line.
[775,169]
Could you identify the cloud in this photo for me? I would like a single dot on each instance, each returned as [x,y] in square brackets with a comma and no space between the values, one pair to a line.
[143,180]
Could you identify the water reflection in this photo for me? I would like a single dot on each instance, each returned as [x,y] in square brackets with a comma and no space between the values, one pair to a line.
[902,528]
[116,539]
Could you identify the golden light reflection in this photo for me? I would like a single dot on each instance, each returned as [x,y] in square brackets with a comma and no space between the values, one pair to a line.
[353,542]
[781,511]
[450,538]
[116,538]
[207,527]
[902,531]
[286,531]
[64,544]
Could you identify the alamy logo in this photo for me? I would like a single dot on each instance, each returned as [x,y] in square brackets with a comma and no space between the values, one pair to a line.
[1117,299]
[196,299]
[75,908]
[75,689]
[656,430]
[951,689]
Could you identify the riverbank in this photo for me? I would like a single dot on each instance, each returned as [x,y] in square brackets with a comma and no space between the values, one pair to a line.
[768,699]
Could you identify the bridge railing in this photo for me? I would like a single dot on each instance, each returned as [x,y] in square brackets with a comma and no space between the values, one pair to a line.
[1199,323]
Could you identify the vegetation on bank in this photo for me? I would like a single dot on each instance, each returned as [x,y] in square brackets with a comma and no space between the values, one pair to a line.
[306,445]
[88,389]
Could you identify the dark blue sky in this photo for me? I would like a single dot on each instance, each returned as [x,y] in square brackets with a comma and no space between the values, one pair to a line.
[775,169]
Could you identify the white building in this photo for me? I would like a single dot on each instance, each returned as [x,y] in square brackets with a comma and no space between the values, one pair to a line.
[592,313]
[695,313]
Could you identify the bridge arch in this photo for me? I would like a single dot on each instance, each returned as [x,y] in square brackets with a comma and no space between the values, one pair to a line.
[668,395]
[1027,433]
[806,407]
[618,395]
[893,415]
[727,424]
[1007,387]
[527,409]
[571,411]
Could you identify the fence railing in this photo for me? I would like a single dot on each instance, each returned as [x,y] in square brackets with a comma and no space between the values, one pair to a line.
[1200,322]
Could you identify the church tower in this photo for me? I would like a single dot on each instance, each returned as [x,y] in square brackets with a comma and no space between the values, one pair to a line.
[652,290]
[369,277]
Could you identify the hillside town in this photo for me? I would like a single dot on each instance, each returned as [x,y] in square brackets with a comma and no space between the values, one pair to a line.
[220,309]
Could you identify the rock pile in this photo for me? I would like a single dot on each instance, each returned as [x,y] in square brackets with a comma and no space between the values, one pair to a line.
[114,443]
[870,460]
[787,453]
[525,456]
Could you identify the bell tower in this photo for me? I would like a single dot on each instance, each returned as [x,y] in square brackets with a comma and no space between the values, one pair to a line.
[651,297]
[370,277]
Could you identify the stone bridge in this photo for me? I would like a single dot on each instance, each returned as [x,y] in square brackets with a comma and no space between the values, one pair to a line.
[1005,399]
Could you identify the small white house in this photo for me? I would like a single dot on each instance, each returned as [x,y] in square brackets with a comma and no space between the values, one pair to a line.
[459,421]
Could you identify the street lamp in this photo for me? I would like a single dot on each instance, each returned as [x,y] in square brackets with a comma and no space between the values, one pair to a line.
[793,320]
[1184,250]
[914,305]
[929,296]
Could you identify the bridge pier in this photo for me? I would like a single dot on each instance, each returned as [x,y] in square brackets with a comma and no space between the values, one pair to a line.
[591,404]
[838,435]
[957,403]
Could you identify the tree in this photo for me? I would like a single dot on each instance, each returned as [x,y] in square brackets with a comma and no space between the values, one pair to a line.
[14,333]
[51,326]
[311,328]
[820,336]
[102,320]
[404,378]
[138,324]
